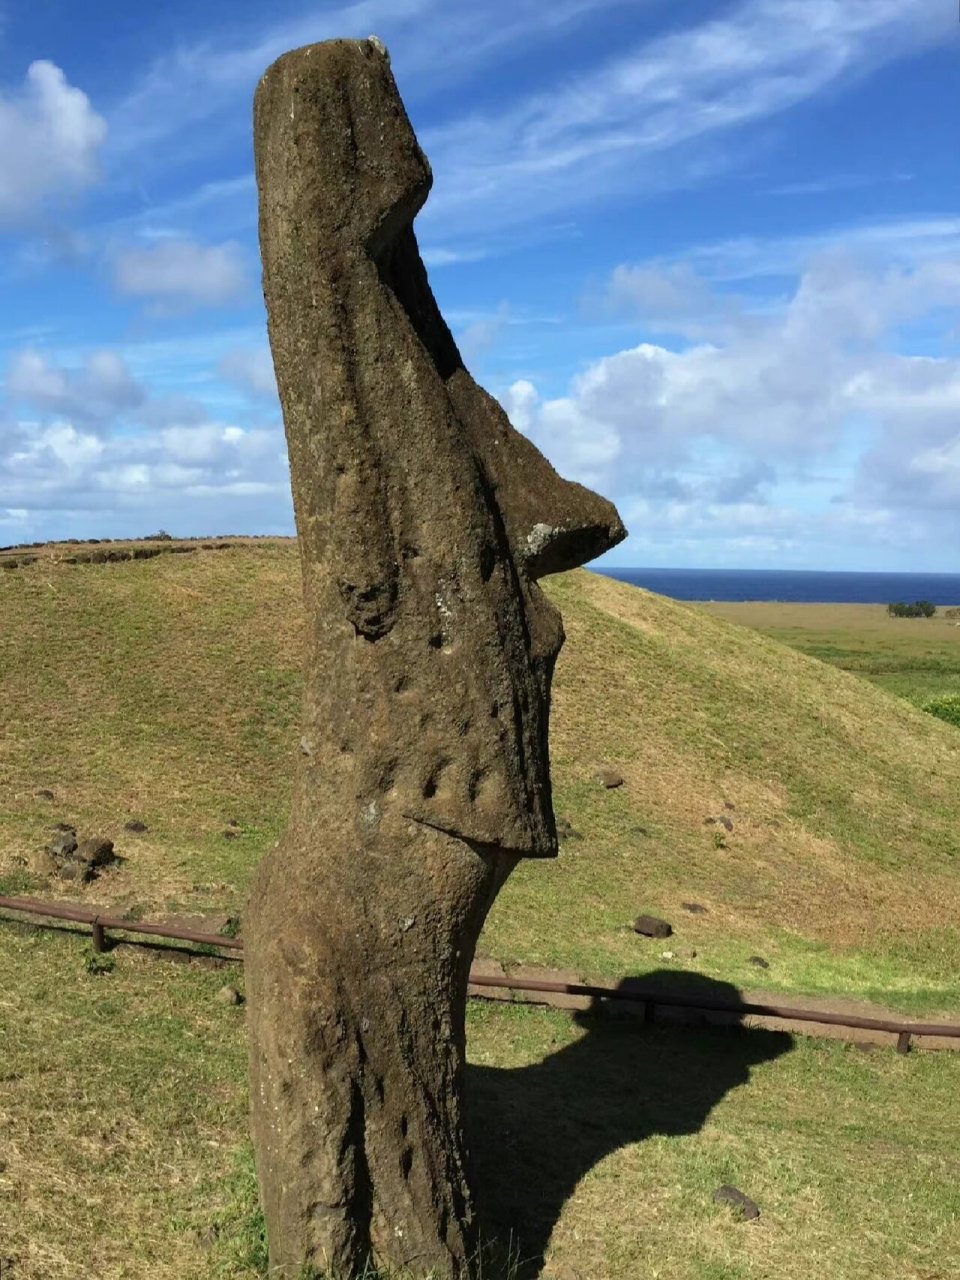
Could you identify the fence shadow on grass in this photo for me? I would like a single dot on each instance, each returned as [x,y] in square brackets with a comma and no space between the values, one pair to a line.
[535,1131]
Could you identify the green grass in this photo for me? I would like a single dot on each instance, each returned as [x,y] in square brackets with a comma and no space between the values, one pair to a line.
[598,1143]
[914,658]
[168,690]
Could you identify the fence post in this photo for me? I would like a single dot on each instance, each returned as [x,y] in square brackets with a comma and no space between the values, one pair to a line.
[903,1042]
[99,936]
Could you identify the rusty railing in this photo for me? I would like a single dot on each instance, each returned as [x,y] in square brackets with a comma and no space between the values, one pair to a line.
[649,998]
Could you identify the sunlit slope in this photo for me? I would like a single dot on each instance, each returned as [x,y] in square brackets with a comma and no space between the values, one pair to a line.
[167,690]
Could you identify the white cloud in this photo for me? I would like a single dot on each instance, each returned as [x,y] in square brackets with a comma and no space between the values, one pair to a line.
[96,392]
[769,400]
[251,369]
[50,139]
[615,127]
[182,273]
[217,477]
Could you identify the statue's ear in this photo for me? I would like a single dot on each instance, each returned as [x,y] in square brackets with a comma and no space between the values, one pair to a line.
[553,524]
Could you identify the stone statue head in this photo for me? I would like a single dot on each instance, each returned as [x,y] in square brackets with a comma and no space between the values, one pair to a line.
[425,518]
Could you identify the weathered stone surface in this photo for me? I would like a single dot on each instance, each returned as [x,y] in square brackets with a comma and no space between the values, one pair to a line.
[45,794]
[610,778]
[745,1208]
[97,851]
[136,826]
[229,995]
[424,521]
[43,863]
[652,927]
[63,845]
[695,908]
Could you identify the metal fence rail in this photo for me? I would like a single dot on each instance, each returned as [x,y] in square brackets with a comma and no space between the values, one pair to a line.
[645,996]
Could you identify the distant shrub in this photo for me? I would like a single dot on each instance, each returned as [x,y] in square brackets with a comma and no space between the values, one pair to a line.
[160,536]
[919,609]
[953,613]
[945,708]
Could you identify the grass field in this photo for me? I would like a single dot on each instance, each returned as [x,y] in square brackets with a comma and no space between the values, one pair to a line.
[915,658]
[599,1144]
[167,690]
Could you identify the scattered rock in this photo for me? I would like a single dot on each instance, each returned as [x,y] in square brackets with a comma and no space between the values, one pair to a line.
[63,845]
[97,851]
[565,831]
[136,826]
[732,1196]
[65,826]
[708,822]
[45,794]
[668,955]
[229,995]
[610,778]
[691,955]
[725,822]
[728,804]
[71,870]
[652,927]
[234,822]
[229,833]
[759,962]
[695,908]
[44,864]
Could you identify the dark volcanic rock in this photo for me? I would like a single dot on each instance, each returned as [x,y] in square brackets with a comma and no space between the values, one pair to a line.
[63,845]
[424,522]
[136,826]
[97,851]
[652,927]
[759,962]
[745,1207]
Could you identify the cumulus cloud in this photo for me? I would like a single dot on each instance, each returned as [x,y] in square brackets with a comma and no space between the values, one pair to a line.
[50,139]
[96,392]
[808,396]
[179,274]
[64,480]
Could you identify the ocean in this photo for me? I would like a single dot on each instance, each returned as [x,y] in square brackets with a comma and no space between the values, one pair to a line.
[803,585]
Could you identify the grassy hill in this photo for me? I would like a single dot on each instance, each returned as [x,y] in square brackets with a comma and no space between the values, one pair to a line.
[167,690]
[916,658]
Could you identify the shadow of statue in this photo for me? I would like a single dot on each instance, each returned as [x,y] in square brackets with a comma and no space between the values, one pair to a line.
[535,1131]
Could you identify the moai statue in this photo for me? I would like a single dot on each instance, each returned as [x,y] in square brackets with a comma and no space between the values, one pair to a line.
[424,522]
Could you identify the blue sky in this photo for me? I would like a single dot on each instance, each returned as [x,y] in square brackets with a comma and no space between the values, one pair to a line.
[706,255]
